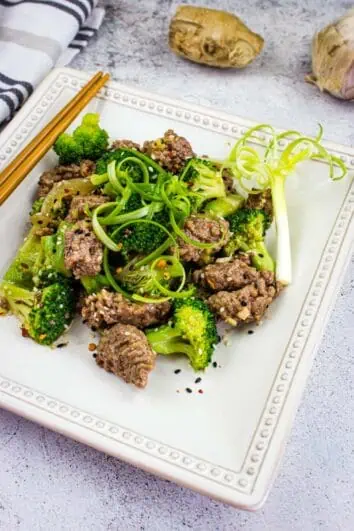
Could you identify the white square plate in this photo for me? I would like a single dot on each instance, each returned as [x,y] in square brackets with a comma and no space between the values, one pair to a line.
[226,442]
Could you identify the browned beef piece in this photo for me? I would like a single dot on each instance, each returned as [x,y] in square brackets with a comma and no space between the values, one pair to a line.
[64,173]
[83,252]
[87,167]
[171,151]
[246,305]
[262,201]
[4,305]
[230,275]
[118,144]
[107,308]
[228,181]
[206,230]
[79,202]
[125,351]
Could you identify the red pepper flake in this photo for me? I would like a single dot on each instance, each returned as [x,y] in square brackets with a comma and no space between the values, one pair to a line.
[200,391]
[24,332]
[161,264]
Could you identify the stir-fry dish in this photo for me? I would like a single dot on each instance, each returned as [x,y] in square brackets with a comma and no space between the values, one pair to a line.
[153,244]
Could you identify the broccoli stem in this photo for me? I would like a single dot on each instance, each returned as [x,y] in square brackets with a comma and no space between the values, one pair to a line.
[224,206]
[283,253]
[167,340]
[261,259]
[98,180]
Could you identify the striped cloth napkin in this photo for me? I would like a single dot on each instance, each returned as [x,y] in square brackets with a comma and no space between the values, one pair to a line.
[35,36]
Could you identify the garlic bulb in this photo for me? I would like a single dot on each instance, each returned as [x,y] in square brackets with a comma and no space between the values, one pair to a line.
[333,58]
[213,37]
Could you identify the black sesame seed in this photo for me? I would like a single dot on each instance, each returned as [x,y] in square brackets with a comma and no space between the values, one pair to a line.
[250,332]
[215,364]
[188,390]
[61,345]
[243,303]
[177,371]
[261,255]
[198,380]
[94,355]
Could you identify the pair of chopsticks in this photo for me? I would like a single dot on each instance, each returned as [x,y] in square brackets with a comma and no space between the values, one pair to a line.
[25,161]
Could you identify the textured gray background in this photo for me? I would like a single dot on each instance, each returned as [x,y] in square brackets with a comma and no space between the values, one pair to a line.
[48,482]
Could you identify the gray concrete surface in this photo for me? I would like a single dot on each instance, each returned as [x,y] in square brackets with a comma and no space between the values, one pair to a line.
[48,482]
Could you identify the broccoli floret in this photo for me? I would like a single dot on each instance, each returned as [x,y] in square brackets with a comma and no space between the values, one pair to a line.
[204,181]
[118,155]
[248,226]
[192,332]
[37,206]
[88,141]
[143,238]
[134,203]
[138,281]
[45,314]
[141,280]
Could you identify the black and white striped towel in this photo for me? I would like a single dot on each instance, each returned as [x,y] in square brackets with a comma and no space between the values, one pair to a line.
[35,36]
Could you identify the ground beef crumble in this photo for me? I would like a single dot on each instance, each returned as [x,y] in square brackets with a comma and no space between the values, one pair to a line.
[80,202]
[206,230]
[4,305]
[262,201]
[128,144]
[124,351]
[64,173]
[228,181]
[171,151]
[247,304]
[231,275]
[83,252]
[107,308]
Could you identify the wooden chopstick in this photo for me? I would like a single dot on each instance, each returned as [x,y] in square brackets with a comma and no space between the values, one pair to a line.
[5,174]
[17,170]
